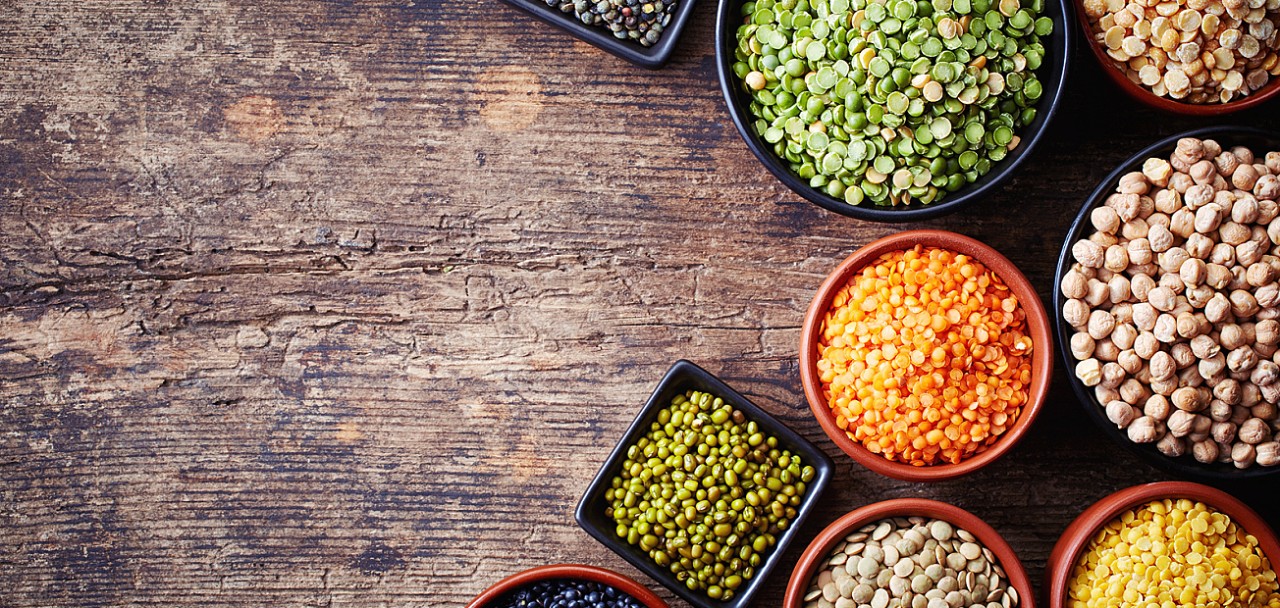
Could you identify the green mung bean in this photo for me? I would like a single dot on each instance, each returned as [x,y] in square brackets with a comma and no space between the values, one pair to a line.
[713,507]
[879,100]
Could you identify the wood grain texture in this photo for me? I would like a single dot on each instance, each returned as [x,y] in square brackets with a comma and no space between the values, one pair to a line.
[324,304]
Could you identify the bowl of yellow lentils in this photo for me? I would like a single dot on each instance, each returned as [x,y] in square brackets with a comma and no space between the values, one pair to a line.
[1165,544]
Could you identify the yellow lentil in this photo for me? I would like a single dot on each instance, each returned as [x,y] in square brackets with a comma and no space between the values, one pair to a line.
[1171,553]
[924,357]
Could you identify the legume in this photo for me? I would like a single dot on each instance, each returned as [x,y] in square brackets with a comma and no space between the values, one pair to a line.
[910,563]
[641,21]
[924,357]
[1198,51]
[1175,300]
[891,101]
[566,593]
[706,493]
[1173,553]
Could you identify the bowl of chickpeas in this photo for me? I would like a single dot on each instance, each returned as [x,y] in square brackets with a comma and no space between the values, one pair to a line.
[1197,57]
[926,355]
[1165,543]
[1167,304]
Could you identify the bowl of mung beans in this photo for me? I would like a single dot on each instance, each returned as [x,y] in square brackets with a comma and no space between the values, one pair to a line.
[926,355]
[892,110]
[704,491]
[909,553]
[1195,57]
[1165,544]
[567,586]
[1167,299]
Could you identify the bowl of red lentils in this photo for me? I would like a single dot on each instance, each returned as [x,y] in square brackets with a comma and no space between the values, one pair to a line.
[1169,543]
[926,355]
[1196,57]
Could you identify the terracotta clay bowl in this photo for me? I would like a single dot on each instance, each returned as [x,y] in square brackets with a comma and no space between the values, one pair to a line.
[567,571]
[816,554]
[1076,538]
[1143,95]
[1037,326]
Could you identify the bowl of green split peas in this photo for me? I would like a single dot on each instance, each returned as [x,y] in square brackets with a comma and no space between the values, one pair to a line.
[892,110]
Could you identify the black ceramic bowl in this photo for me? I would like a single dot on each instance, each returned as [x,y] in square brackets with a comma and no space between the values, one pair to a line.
[650,57]
[1184,466]
[684,376]
[1052,74]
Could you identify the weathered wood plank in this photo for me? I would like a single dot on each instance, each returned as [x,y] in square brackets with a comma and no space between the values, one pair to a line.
[342,304]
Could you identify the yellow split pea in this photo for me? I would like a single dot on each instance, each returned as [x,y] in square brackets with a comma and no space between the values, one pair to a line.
[1173,553]
[925,357]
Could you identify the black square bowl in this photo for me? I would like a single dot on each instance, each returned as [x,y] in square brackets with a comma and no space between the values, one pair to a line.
[684,376]
[648,56]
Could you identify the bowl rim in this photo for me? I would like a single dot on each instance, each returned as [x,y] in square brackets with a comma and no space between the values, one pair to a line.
[684,375]
[1037,326]
[1032,135]
[822,544]
[568,571]
[1145,96]
[652,57]
[1080,531]
[1183,466]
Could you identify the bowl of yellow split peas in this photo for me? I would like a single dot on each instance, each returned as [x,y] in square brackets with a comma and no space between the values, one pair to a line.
[1165,544]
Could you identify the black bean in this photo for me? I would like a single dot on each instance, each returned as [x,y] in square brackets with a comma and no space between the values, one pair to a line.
[567,594]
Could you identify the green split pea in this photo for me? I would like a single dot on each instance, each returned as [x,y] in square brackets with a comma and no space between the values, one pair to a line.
[891,101]
[707,494]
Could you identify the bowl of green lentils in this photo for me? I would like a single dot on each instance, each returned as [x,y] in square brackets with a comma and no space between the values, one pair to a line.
[705,491]
[892,110]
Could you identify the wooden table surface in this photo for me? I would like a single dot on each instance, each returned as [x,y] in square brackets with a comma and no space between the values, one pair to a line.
[321,304]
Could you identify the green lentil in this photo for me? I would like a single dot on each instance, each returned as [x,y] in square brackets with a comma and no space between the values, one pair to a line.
[705,492]
[920,96]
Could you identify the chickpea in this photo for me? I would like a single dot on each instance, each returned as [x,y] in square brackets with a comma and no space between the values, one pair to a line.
[1218,310]
[1223,255]
[1158,407]
[1267,296]
[1100,324]
[1162,298]
[1254,430]
[1133,182]
[1267,454]
[1121,413]
[1228,391]
[1129,361]
[1267,187]
[1134,391]
[1223,432]
[1244,176]
[1202,172]
[1123,336]
[1166,329]
[1159,237]
[1076,312]
[1119,289]
[1116,258]
[1243,304]
[1168,201]
[1233,234]
[1144,429]
[1242,359]
[1105,219]
[1099,293]
[1140,251]
[1249,252]
[1171,446]
[1199,296]
[1089,372]
[1198,246]
[1146,345]
[1105,395]
[1112,375]
[1231,336]
[1074,284]
[1267,332]
[1207,218]
[1162,366]
[1131,230]
[1243,455]
[1211,366]
[1180,423]
[1259,274]
[1226,163]
[1106,350]
[1205,451]
[1088,254]
[1189,148]
[1182,223]
[1245,210]
[1140,285]
[1268,210]
[1219,411]
[1174,283]
[1204,346]
[1082,345]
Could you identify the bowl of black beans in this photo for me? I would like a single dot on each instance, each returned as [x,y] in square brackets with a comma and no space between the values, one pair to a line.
[643,32]
[567,586]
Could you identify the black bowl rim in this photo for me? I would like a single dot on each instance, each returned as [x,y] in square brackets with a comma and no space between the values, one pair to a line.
[652,57]
[686,373]
[1183,465]
[1048,106]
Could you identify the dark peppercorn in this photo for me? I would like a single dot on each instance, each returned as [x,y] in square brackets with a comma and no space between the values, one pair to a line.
[567,594]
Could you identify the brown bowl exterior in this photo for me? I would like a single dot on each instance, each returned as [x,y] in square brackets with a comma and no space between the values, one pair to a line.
[1144,96]
[567,571]
[817,551]
[1037,325]
[1067,550]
